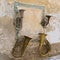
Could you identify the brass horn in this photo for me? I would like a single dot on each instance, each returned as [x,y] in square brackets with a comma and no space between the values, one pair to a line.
[20,46]
[44,45]
[45,21]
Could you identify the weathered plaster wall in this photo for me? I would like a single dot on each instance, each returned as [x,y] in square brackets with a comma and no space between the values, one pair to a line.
[52,6]
[7,34]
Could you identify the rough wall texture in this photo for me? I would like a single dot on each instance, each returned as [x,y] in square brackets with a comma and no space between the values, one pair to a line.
[7,32]
[51,6]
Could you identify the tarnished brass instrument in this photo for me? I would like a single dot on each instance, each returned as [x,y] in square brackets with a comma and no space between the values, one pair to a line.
[20,46]
[25,43]
[21,43]
[44,45]
[45,21]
